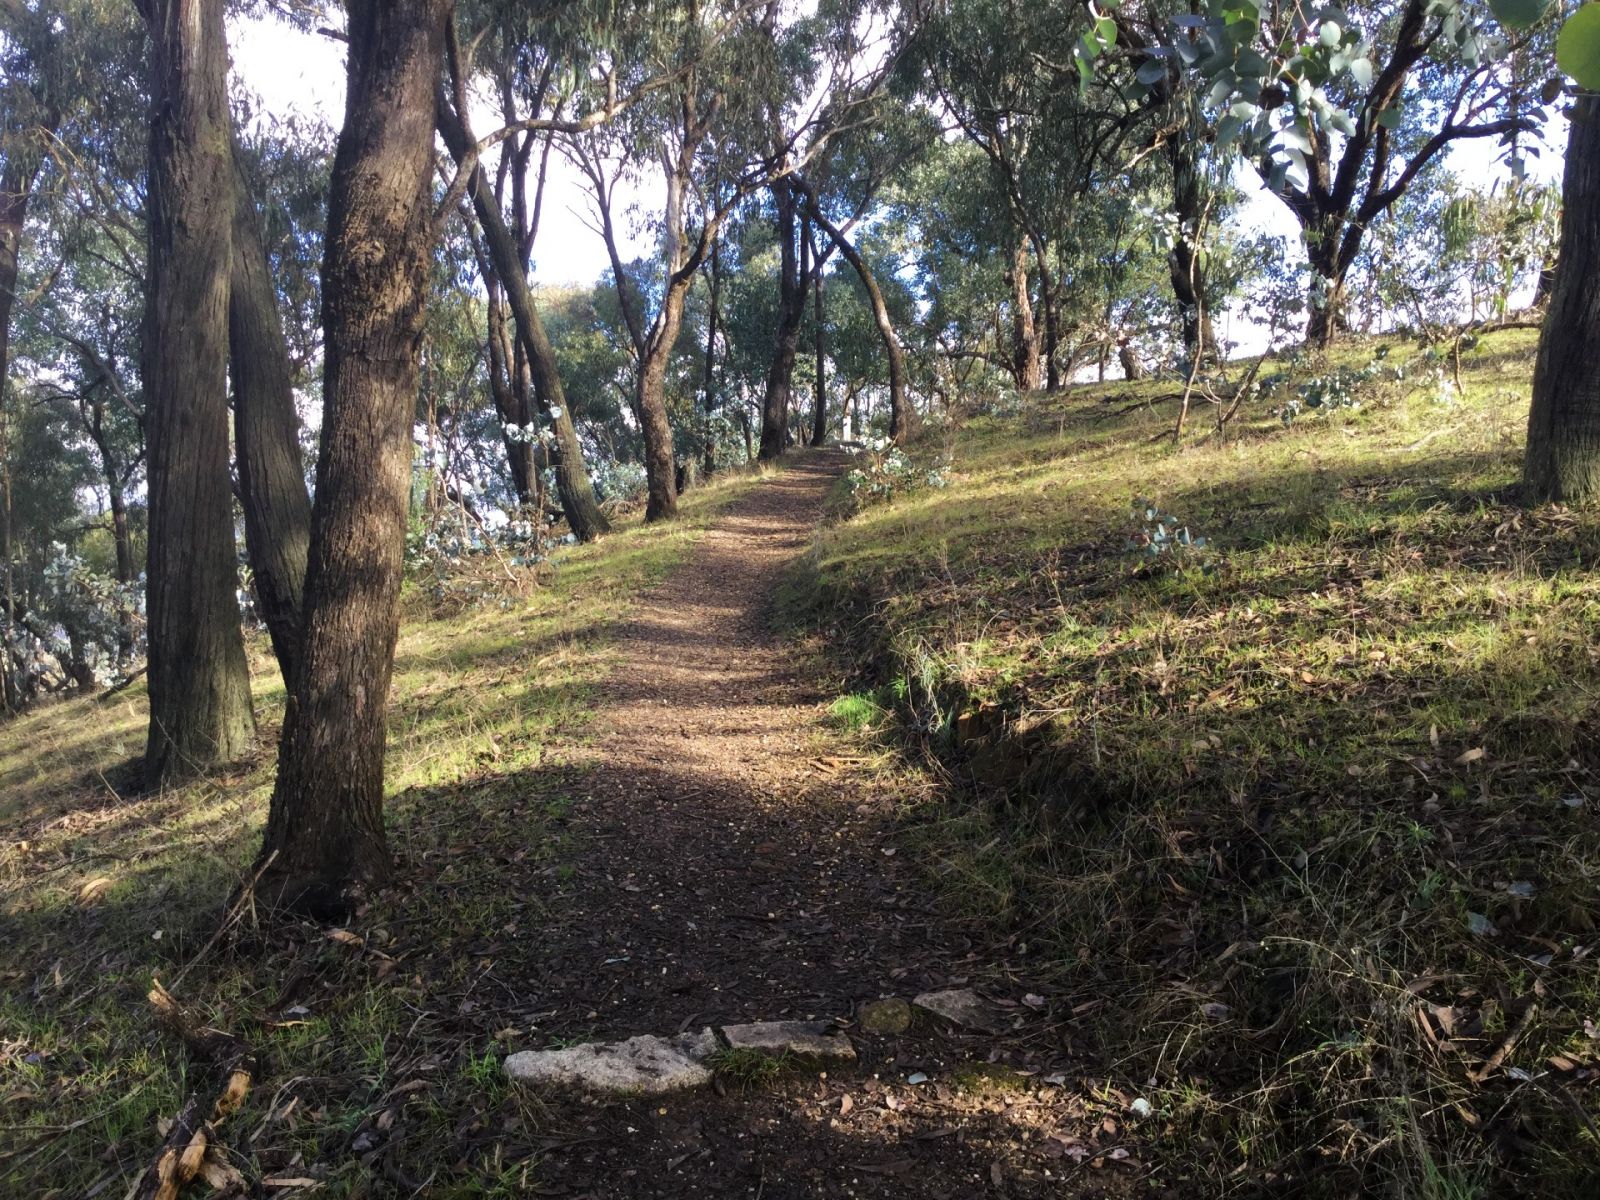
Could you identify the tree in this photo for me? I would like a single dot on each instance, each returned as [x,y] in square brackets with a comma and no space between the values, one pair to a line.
[902,416]
[572,477]
[324,830]
[1563,456]
[200,711]
[1342,112]
[272,485]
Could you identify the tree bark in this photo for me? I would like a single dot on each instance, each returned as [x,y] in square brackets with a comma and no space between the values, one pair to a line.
[713,314]
[819,404]
[1563,456]
[510,401]
[1024,331]
[272,484]
[572,476]
[325,828]
[22,166]
[902,417]
[794,270]
[200,710]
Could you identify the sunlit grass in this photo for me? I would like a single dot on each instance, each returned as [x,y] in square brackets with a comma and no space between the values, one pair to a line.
[98,892]
[1288,775]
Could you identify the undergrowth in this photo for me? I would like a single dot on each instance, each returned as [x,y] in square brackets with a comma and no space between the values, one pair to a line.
[1307,825]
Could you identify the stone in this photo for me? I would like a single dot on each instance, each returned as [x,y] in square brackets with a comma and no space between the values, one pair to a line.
[645,1064]
[961,1006]
[884,1016]
[809,1039]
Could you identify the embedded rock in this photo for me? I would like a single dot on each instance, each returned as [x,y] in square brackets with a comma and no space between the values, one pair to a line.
[809,1039]
[644,1064]
[963,1007]
[884,1016]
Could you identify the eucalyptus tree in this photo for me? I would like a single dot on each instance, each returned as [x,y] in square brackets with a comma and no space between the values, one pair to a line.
[324,829]
[511,36]
[1563,457]
[1003,74]
[200,710]
[1342,111]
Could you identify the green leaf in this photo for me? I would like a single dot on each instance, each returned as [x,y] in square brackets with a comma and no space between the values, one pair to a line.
[1361,72]
[1389,118]
[1578,47]
[1518,14]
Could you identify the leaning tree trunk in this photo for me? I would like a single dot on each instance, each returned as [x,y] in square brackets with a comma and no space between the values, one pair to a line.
[713,313]
[1563,458]
[1328,254]
[325,827]
[272,482]
[572,476]
[902,417]
[200,711]
[819,404]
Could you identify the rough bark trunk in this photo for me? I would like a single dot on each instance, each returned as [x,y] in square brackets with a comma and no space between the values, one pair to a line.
[713,314]
[819,403]
[902,417]
[511,401]
[1024,331]
[272,484]
[792,274]
[650,404]
[1132,368]
[1563,456]
[572,476]
[325,827]
[16,189]
[200,710]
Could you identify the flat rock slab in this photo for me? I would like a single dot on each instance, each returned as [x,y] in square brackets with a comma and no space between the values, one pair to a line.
[812,1039]
[644,1064]
[963,1007]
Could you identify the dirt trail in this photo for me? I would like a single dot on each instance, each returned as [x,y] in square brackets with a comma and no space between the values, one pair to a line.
[732,865]
[738,867]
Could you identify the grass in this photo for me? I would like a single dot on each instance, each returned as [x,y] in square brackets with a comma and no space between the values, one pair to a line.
[1306,820]
[748,1069]
[380,1043]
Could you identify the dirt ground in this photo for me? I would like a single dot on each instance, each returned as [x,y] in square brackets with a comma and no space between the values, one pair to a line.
[734,866]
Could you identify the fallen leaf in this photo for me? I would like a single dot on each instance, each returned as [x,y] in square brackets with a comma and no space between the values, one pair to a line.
[1471,756]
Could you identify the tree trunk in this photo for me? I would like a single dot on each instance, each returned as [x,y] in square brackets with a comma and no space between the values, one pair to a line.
[272,483]
[1563,457]
[325,828]
[572,476]
[819,404]
[1024,331]
[16,189]
[792,276]
[1185,268]
[902,417]
[650,404]
[506,371]
[709,385]
[200,710]
[1132,368]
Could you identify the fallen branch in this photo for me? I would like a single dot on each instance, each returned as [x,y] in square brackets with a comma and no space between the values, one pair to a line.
[191,1135]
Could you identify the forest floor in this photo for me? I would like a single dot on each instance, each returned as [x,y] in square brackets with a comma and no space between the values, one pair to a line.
[621,805]
[1276,860]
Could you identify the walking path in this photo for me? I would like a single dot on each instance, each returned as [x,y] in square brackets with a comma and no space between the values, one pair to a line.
[735,866]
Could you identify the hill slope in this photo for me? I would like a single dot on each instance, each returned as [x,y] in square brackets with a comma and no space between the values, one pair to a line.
[1306,818]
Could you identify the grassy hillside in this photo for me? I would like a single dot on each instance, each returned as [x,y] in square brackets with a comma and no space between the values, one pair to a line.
[99,891]
[1305,818]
